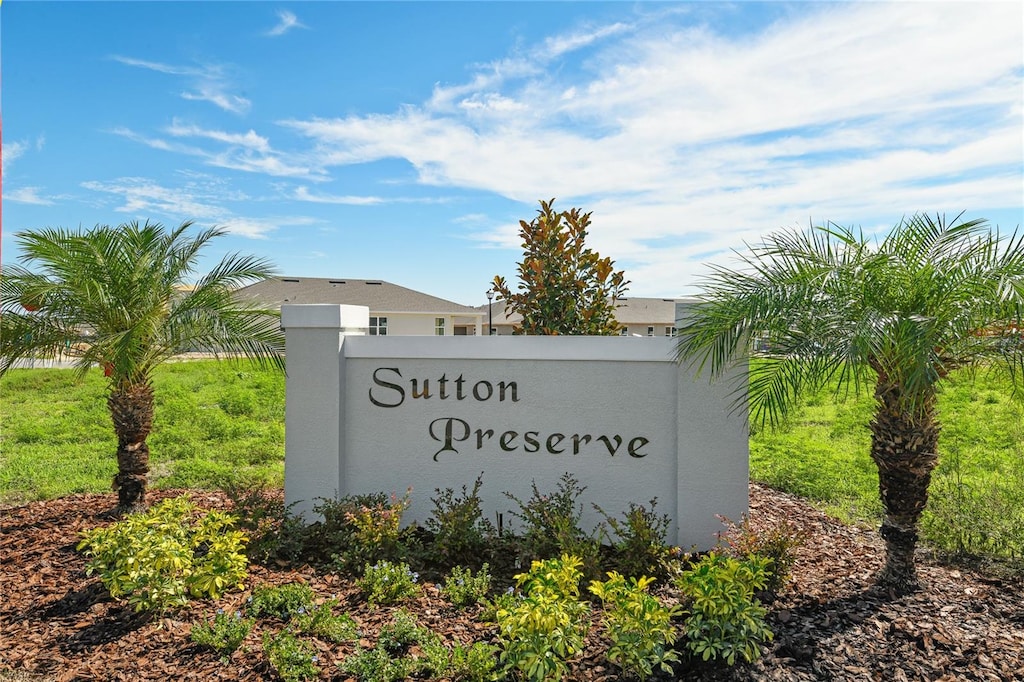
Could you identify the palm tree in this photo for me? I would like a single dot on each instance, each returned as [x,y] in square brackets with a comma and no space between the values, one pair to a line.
[831,305]
[117,298]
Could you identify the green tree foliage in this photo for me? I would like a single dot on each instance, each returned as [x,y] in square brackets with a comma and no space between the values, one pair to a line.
[122,298]
[832,305]
[564,288]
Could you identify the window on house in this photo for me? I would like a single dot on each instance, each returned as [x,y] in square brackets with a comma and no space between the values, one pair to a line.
[378,326]
[650,331]
[439,326]
[670,331]
[624,331]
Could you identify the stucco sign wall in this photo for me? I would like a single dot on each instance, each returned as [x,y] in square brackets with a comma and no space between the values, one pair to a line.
[371,413]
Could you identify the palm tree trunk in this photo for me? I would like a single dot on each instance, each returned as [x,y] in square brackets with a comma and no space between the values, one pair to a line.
[903,447]
[131,409]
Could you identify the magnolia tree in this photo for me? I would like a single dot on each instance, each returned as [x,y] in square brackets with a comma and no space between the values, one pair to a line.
[564,287]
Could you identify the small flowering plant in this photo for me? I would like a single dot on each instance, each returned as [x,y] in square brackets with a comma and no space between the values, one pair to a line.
[388,583]
[463,589]
[224,634]
[291,658]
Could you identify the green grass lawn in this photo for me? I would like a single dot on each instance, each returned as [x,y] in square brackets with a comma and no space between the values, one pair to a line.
[223,423]
[215,423]
[976,499]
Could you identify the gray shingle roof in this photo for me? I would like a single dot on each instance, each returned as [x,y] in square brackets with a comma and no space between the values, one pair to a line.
[629,311]
[377,295]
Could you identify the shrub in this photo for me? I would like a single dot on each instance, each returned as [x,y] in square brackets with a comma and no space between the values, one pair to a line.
[638,625]
[726,621]
[161,557]
[388,660]
[506,601]
[291,658]
[460,531]
[462,588]
[361,528]
[281,601]
[224,634]
[641,547]
[388,583]
[777,543]
[544,629]
[551,524]
[274,533]
[377,665]
[403,632]
[476,662]
[321,622]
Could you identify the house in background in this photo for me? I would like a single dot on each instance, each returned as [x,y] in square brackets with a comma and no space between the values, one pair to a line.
[636,317]
[394,310]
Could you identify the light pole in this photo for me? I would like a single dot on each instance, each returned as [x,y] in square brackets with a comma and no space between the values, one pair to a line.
[490,315]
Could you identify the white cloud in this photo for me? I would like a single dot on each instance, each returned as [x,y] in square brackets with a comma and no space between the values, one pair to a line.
[286,22]
[248,151]
[200,198]
[685,141]
[249,140]
[261,228]
[142,196]
[27,195]
[209,82]
[10,152]
[303,194]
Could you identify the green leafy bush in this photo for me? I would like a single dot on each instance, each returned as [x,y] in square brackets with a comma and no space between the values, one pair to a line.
[726,620]
[388,583]
[543,630]
[403,632]
[274,533]
[291,658]
[476,662]
[360,528]
[551,524]
[778,543]
[281,601]
[638,625]
[463,589]
[161,557]
[224,634]
[320,621]
[377,665]
[641,547]
[460,531]
[389,659]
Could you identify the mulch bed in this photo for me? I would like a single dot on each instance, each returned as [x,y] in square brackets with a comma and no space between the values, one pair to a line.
[58,624]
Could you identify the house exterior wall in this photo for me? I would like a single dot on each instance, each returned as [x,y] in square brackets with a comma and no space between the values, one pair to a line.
[416,324]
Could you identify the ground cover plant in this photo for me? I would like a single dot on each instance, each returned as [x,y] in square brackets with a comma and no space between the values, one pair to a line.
[56,624]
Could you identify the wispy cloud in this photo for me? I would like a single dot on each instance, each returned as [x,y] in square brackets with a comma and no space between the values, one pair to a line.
[200,197]
[685,141]
[303,194]
[27,195]
[249,140]
[286,22]
[247,151]
[207,82]
[11,152]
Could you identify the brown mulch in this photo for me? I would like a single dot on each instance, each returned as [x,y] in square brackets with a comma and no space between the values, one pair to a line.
[58,624]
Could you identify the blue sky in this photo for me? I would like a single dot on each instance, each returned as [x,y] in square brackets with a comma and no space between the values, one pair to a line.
[404,141]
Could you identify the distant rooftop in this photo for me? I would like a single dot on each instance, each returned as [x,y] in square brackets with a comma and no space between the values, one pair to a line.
[379,296]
